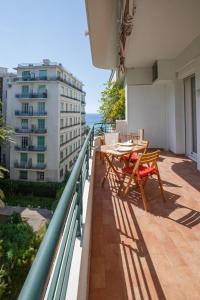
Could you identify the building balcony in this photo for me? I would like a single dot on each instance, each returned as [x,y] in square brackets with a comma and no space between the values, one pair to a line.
[70,111]
[20,113]
[47,78]
[68,126]
[83,123]
[38,95]
[83,112]
[31,148]
[29,166]
[128,253]
[69,140]
[31,130]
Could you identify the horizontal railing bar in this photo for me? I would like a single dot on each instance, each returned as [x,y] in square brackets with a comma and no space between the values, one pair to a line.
[66,257]
[36,279]
[62,248]
[67,271]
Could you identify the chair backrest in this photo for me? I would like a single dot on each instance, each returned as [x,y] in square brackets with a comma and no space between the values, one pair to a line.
[145,144]
[149,159]
[111,138]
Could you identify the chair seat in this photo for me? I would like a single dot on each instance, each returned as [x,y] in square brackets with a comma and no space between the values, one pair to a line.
[133,157]
[143,170]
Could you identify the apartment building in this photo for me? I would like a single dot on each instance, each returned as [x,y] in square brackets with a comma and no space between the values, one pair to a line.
[46,108]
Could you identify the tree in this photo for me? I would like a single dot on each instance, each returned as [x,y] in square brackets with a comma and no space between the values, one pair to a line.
[112,100]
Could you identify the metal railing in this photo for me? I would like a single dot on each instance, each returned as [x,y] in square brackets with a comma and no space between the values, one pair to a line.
[101,128]
[40,95]
[31,130]
[29,165]
[30,113]
[31,148]
[60,237]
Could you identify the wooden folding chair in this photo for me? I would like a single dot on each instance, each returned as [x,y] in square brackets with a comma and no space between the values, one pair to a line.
[132,158]
[145,167]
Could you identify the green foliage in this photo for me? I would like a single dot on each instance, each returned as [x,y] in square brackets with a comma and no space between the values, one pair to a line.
[18,247]
[112,100]
[40,189]
[30,201]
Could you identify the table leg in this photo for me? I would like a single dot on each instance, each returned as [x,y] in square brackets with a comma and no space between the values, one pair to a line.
[111,166]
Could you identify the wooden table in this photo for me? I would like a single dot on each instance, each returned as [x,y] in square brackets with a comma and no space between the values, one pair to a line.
[110,152]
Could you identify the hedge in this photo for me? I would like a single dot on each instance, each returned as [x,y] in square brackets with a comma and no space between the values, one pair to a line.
[38,189]
[31,201]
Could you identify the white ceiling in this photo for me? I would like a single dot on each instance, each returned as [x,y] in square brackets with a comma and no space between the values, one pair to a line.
[162,30]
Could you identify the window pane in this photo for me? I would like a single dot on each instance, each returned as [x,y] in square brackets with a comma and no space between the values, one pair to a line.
[25,90]
[23,157]
[42,74]
[24,123]
[40,158]
[23,175]
[41,123]
[41,107]
[41,140]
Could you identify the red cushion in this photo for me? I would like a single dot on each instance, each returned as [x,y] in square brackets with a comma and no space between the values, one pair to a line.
[143,171]
[133,157]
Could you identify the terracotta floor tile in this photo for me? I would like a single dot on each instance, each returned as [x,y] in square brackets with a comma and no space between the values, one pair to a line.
[147,255]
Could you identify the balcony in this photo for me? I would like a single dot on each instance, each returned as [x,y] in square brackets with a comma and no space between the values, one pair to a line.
[70,111]
[38,95]
[83,112]
[31,148]
[31,130]
[29,166]
[47,78]
[68,126]
[83,123]
[134,254]
[20,113]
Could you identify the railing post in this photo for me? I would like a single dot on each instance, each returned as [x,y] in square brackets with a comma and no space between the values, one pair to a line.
[88,155]
[80,207]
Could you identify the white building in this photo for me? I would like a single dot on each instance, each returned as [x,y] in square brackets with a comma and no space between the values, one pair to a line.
[46,109]
[156,46]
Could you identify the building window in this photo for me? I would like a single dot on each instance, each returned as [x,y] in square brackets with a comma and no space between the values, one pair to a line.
[42,90]
[23,175]
[62,90]
[40,158]
[61,155]
[58,74]
[41,107]
[25,90]
[23,158]
[66,152]
[24,142]
[43,74]
[61,173]
[61,139]
[61,123]
[40,176]
[24,123]
[66,107]
[25,107]
[41,123]
[62,106]
[26,75]
[40,141]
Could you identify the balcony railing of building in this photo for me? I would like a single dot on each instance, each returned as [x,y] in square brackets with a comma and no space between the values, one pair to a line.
[58,244]
[30,113]
[83,112]
[70,97]
[69,140]
[31,130]
[30,148]
[38,95]
[70,111]
[47,78]
[67,126]
[29,165]
[70,154]
[83,123]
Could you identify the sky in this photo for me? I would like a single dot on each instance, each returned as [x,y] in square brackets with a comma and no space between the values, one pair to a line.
[31,30]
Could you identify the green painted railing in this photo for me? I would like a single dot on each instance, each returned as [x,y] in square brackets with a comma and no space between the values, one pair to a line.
[59,240]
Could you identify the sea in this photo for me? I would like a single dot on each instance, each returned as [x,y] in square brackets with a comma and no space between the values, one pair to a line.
[92,118]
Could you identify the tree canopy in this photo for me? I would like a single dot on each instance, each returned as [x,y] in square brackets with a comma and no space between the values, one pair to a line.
[112,101]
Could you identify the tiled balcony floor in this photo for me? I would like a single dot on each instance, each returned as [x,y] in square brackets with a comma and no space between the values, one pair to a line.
[147,255]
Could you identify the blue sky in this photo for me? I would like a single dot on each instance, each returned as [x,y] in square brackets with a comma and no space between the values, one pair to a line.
[31,30]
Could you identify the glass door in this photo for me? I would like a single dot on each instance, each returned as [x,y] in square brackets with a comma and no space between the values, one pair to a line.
[190,117]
